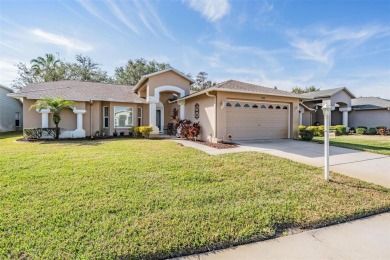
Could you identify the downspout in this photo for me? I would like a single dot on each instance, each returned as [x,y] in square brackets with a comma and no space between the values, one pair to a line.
[90,119]
[215,119]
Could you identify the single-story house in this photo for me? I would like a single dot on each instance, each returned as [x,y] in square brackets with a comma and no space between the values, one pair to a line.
[245,111]
[11,111]
[347,110]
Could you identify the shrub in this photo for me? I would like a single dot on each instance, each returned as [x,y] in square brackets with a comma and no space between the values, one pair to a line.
[141,131]
[188,130]
[365,127]
[306,135]
[372,131]
[313,129]
[32,133]
[145,131]
[301,128]
[321,130]
[340,130]
[361,130]
[382,131]
[37,133]
[352,130]
[381,127]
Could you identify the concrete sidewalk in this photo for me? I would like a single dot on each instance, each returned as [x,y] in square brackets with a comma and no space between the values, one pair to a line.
[367,238]
[366,166]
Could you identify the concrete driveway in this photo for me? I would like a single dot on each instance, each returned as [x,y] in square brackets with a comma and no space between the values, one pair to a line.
[366,166]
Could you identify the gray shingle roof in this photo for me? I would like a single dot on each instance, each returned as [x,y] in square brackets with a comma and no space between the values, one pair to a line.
[325,93]
[247,87]
[370,103]
[80,91]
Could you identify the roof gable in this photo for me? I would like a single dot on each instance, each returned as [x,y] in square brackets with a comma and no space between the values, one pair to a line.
[147,76]
[327,93]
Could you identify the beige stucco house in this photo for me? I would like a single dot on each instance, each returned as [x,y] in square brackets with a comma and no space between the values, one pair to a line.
[245,111]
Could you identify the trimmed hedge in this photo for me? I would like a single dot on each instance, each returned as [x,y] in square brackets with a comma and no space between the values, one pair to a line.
[361,130]
[141,131]
[36,133]
[306,135]
[372,131]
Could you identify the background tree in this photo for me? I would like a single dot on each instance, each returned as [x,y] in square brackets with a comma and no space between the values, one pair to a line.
[299,90]
[46,67]
[135,69]
[56,105]
[201,82]
[49,68]
[85,70]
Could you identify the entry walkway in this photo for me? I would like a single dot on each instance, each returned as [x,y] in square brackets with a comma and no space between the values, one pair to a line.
[367,238]
[366,166]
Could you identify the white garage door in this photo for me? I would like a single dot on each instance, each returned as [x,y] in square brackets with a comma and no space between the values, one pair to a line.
[246,121]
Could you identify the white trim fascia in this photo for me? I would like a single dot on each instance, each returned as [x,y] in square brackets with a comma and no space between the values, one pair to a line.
[236,91]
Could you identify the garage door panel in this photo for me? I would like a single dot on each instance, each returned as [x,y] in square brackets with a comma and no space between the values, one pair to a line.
[257,123]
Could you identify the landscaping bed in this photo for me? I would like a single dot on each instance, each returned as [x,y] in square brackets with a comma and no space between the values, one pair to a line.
[218,145]
[148,199]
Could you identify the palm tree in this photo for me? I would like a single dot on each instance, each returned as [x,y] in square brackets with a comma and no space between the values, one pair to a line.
[55,105]
[46,67]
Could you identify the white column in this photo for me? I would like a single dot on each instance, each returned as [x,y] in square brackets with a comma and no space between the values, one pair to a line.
[152,117]
[300,117]
[79,132]
[182,109]
[45,116]
[345,111]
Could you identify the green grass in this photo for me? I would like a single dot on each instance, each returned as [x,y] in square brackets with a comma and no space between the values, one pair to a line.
[369,143]
[143,199]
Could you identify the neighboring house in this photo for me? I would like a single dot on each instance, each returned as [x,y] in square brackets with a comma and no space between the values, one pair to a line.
[347,110]
[11,111]
[244,110]
[370,112]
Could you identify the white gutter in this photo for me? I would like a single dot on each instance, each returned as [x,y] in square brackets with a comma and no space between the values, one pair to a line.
[215,113]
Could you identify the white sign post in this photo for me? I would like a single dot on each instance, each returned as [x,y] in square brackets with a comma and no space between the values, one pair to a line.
[326,107]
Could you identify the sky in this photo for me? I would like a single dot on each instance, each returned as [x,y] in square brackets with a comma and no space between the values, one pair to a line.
[283,43]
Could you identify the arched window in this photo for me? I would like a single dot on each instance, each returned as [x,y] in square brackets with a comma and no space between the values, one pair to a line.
[228,104]
[277,107]
[255,106]
[246,105]
[270,107]
[237,105]
[285,107]
[263,106]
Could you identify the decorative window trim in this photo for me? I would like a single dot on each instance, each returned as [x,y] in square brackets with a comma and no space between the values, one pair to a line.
[277,107]
[246,105]
[263,106]
[106,117]
[271,107]
[255,106]
[228,104]
[196,111]
[285,107]
[237,105]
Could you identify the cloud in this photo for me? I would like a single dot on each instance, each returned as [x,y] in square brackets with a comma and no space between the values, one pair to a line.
[92,10]
[8,71]
[213,10]
[321,44]
[61,40]
[121,16]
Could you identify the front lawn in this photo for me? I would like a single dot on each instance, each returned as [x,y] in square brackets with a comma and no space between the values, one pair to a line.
[369,143]
[144,199]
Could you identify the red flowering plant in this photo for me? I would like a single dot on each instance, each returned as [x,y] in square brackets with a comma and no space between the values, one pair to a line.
[187,129]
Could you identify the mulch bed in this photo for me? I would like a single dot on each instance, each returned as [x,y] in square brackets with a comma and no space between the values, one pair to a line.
[218,145]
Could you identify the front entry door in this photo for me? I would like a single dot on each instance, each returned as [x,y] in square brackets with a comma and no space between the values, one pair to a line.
[158,119]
